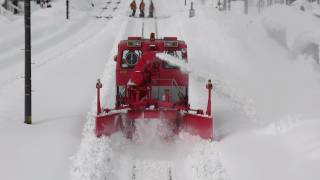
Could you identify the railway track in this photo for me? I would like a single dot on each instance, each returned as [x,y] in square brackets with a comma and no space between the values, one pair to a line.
[107,8]
[147,169]
[149,25]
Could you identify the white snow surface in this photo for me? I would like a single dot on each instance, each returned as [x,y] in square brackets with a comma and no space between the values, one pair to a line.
[295,29]
[266,95]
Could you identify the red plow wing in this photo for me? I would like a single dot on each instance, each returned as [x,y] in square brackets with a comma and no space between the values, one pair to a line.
[193,124]
[200,125]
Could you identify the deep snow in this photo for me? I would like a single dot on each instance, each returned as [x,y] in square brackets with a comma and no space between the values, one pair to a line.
[266,100]
[64,76]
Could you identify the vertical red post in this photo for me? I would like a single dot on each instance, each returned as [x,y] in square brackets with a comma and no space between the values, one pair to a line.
[209,87]
[98,86]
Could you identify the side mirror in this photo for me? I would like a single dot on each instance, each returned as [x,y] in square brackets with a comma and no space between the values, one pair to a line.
[115,58]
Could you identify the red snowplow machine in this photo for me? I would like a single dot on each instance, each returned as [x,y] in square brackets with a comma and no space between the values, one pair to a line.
[149,88]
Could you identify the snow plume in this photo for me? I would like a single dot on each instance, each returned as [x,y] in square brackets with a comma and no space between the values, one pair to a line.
[90,162]
[205,164]
[149,157]
[149,130]
[283,125]
[175,61]
[220,87]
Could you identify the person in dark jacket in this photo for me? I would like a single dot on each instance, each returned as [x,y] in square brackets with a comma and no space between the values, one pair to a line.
[133,7]
[141,8]
[151,9]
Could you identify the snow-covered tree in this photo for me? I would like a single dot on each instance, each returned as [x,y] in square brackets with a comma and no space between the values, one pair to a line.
[11,5]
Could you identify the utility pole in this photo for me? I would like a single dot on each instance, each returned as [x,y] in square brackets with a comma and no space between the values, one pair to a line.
[318,51]
[67,8]
[191,11]
[15,3]
[27,78]
[185,2]
[246,4]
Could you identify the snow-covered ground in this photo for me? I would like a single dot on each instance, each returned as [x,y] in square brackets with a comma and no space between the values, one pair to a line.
[266,100]
[64,76]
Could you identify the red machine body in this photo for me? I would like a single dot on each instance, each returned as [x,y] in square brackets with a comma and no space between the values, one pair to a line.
[148,88]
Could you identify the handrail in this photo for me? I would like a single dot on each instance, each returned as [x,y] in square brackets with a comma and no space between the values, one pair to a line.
[173,84]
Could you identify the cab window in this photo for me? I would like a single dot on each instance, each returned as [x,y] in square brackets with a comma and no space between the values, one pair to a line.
[130,58]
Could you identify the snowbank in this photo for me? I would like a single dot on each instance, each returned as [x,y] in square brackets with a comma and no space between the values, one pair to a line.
[246,65]
[68,56]
[295,29]
[3,20]
[305,5]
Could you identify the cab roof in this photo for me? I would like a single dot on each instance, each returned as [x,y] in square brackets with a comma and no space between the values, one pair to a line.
[152,44]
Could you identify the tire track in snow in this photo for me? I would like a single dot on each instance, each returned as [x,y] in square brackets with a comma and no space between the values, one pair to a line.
[107,9]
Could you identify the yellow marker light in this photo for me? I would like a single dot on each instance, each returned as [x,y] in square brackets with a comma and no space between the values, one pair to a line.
[171,44]
[134,43]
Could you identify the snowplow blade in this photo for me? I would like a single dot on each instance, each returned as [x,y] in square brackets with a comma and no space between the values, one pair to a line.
[108,124]
[198,125]
[193,124]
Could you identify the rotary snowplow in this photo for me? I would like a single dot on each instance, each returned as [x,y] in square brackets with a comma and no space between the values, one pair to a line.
[151,89]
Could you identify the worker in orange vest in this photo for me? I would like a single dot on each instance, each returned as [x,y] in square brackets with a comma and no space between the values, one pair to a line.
[133,7]
[141,8]
[151,9]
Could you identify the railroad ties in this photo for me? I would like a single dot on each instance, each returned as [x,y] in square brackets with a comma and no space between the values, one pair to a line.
[108,6]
